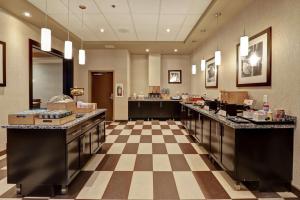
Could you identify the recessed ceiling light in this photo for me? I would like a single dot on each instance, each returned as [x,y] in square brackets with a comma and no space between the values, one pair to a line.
[147,50]
[101,30]
[175,50]
[27,14]
[168,30]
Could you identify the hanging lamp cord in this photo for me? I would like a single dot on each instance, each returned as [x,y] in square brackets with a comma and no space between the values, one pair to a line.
[68,18]
[46,13]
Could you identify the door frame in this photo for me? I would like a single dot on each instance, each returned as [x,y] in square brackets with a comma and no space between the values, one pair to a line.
[90,87]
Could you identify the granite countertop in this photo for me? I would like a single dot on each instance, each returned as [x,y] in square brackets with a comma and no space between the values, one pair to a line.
[152,99]
[235,125]
[68,125]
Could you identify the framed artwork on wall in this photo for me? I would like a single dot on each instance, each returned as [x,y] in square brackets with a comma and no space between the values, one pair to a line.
[211,74]
[120,90]
[255,69]
[174,76]
[2,64]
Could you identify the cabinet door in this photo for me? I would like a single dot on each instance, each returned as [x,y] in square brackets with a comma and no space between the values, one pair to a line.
[216,134]
[85,148]
[198,133]
[94,139]
[193,123]
[228,145]
[206,133]
[73,158]
[101,132]
[183,115]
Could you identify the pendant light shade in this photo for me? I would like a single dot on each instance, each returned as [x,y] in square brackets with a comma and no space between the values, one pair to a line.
[81,57]
[68,49]
[244,41]
[203,63]
[218,57]
[194,69]
[46,39]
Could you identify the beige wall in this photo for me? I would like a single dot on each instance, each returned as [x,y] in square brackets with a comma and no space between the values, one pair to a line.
[139,73]
[14,97]
[176,62]
[284,17]
[116,61]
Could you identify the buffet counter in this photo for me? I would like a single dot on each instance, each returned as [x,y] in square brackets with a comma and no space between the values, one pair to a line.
[51,156]
[246,151]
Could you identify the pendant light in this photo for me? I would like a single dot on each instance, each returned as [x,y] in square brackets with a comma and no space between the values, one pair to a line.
[68,44]
[218,52]
[81,54]
[194,69]
[203,63]
[46,33]
[244,44]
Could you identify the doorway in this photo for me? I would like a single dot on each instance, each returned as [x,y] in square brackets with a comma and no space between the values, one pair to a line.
[102,92]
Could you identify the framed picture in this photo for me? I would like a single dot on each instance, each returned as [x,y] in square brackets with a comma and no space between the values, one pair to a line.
[119,90]
[174,76]
[211,74]
[255,69]
[2,64]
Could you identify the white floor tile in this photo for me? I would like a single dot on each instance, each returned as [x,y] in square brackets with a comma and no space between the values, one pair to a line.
[199,149]
[95,186]
[131,123]
[195,162]
[167,132]
[134,139]
[116,148]
[111,138]
[126,162]
[228,185]
[173,148]
[146,132]
[138,127]
[156,127]
[126,132]
[108,131]
[174,127]
[141,185]
[161,162]
[286,194]
[120,127]
[157,139]
[163,123]
[181,139]
[93,162]
[187,186]
[147,122]
[4,186]
[145,148]
[178,122]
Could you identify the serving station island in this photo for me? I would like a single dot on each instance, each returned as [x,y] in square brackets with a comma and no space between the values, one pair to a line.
[261,153]
[50,156]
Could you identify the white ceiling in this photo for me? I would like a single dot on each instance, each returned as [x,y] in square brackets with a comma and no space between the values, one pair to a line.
[144,20]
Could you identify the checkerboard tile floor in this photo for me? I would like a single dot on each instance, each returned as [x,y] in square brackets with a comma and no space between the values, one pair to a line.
[149,160]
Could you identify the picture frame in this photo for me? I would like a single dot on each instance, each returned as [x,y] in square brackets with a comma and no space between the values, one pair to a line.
[174,76]
[2,64]
[119,90]
[211,74]
[255,69]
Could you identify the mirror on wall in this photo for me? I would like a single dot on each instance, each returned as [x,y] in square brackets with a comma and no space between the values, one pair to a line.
[49,74]
[47,77]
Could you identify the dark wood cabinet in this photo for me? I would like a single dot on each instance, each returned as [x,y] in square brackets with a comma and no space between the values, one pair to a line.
[146,110]
[264,155]
[51,157]
[228,148]
[216,140]
[73,158]
[199,128]
[206,132]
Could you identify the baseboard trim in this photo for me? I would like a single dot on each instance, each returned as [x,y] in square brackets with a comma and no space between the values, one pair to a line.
[2,152]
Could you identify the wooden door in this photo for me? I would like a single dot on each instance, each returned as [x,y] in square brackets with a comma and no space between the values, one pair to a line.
[102,92]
